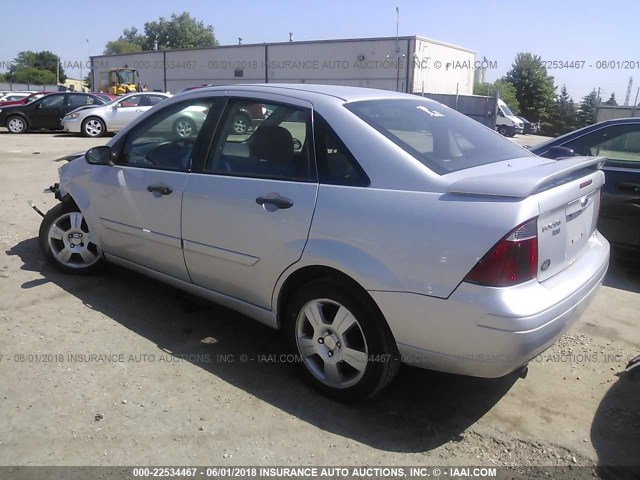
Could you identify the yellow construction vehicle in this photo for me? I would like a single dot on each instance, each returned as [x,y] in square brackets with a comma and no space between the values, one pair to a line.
[119,81]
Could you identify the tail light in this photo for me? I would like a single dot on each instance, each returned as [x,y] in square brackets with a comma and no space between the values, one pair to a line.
[511,261]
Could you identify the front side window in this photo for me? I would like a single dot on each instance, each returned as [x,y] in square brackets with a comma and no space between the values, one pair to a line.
[53,101]
[133,101]
[166,140]
[263,141]
[620,144]
[439,137]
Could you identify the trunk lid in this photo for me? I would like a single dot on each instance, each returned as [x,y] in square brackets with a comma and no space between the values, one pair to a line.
[568,195]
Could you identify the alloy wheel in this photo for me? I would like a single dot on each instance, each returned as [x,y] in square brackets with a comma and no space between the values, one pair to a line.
[332,343]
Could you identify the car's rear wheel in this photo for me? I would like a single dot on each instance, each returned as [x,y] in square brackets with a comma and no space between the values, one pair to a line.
[93,127]
[241,124]
[66,241]
[16,124]
[184,127]
[345,347]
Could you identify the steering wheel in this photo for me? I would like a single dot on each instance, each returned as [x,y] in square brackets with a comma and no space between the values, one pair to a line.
[173,154]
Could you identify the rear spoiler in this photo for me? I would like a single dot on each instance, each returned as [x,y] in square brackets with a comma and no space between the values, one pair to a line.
[525,182]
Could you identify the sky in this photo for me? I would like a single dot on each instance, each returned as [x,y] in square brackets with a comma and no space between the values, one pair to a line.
[589,31]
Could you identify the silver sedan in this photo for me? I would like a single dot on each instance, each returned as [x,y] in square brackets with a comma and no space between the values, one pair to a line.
[95,121]
[371,227]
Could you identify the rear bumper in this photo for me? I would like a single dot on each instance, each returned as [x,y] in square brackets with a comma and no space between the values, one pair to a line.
[490,332]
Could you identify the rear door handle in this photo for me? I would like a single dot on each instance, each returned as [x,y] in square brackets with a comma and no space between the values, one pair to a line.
[161,189]
[276,200]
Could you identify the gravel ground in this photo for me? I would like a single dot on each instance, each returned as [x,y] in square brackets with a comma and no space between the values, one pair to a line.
[161,387]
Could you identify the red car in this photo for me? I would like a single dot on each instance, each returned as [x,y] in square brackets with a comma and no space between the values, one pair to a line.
[25,100]
[107,96]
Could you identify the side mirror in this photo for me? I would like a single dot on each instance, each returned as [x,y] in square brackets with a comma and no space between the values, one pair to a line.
[115,106]
[99,155]
[559,152]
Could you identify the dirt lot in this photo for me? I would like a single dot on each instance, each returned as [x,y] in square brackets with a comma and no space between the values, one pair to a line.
[161,387]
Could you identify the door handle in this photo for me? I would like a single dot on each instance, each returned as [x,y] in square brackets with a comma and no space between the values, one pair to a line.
[161,189]
[275,200]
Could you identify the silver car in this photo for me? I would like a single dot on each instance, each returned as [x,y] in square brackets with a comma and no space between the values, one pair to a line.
[371,227]
[95,121]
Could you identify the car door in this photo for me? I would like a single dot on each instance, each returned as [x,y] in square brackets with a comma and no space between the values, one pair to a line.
[124,111]
[247,212]
[620,211]
[47,112]
[137,202]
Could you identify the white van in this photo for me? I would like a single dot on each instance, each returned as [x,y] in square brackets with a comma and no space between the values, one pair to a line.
[507,123]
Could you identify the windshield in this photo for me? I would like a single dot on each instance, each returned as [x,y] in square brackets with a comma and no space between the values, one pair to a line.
[441,138]
[125,76]
[505,110]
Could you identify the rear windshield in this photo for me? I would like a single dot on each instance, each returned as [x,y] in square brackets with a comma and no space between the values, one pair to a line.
[441,138]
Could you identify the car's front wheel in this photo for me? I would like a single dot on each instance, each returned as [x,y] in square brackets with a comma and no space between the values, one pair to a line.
[93,127]
[16,124]
[66,241]
[345,347]
[502,130]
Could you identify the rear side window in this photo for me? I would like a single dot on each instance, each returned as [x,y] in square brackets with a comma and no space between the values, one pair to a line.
[81,100]
[336,164]
[263,140]
[439,137]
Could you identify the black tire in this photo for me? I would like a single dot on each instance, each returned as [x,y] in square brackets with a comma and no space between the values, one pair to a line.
[62,216]
[184,127]
[241,123]
[503,130]
[17,124]
[94,127]
[369,335]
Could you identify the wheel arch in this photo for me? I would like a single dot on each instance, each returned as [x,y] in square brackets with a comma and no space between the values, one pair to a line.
[95,117]
[306,274]
[16,114]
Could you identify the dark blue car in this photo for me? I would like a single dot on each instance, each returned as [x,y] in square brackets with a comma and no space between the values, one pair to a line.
[619,141]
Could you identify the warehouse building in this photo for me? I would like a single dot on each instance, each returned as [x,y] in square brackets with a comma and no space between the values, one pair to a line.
[407,64]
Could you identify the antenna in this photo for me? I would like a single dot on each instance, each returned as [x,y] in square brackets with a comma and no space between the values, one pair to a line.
[626,99]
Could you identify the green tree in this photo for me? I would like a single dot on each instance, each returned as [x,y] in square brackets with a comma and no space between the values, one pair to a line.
[506,91]
[587,109]
[564,115]
[36,67]
[121,46]
[87,82]
[534,87]
[37,76]
[180,31]
[612,101]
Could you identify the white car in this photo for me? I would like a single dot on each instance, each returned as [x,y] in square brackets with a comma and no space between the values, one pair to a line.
[111,117]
